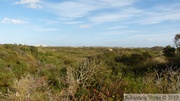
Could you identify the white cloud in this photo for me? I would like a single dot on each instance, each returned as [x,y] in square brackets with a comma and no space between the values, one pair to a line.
[120,32]
[45,29]
[111,3]
[161,14]
[106,18]
[85,26]
[105,11]
[71,9]
[12,21]
[30,3]
[117,27]
[73,22]
[83,8]
[116,16]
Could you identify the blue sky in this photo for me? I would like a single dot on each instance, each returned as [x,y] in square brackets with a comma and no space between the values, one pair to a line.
[122,23]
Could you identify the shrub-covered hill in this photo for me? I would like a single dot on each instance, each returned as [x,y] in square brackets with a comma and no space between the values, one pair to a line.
[84,73]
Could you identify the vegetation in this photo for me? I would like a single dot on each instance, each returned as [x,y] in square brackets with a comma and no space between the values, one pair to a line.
[30,73]
[169,51]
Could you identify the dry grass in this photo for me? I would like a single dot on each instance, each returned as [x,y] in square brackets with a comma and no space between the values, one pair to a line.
[26,89]
[160,60]
[168,80]
[81,76]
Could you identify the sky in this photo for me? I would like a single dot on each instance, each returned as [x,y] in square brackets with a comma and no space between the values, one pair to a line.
[112,23]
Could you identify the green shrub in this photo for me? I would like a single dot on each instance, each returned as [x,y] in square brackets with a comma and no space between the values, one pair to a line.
[169,51]
[82,93]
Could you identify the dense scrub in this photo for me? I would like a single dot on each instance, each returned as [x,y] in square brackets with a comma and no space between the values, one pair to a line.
[85,73]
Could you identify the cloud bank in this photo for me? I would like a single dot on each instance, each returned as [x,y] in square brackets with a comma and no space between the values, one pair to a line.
[12,21]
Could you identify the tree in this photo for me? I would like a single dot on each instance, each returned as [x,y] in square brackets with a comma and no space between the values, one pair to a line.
[177,43]
[169,51]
